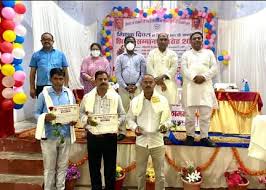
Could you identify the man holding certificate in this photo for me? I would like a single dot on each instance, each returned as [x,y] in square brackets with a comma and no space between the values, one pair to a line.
[102,114]
[52,104]
[149,116]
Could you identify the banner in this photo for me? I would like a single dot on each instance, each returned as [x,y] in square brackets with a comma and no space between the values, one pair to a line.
[146,32]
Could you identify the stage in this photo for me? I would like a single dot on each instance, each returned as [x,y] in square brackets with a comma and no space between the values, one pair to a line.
[212,161]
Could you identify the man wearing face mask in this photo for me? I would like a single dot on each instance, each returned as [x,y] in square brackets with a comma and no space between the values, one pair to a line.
[90,65]
[198,67]
[162,64]
[129,70]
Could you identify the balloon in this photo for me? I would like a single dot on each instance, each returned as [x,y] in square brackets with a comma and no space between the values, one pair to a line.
[20,30]
[17,61]
[7,58]
[224,52]
[17,45]
[19,76]
[7,70]
[18,68]
[18,89]
[8,81]
[8,3]
[220,58]
[7,105]
[9,35]
[226,57]
[20,8]
[6,47]
[18,53]
[18,106]
[18,18]
[7,24]
[8,13]
[8,93]
[20,98]
[19,39]
[225,62]
[18,83]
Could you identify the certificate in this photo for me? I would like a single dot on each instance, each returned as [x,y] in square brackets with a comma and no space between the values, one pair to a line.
[107,123]
[66,113]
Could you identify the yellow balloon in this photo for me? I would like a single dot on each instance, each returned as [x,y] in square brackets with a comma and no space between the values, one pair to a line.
[8,70]
[214,13]
[107,44]
[9,35]
[108,54]
[20,98]
[224,52]
[225,62]
[119,14]
[17,45]
[134,14]
[205,30]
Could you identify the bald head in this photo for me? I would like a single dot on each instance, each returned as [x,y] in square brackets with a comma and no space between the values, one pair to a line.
[162,41]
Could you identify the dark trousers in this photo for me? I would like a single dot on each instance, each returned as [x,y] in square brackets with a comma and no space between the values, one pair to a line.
[39,89]
[102,146]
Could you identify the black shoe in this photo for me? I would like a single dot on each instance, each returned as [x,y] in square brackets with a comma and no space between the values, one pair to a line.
[207,142]
[120,137]
[189,141]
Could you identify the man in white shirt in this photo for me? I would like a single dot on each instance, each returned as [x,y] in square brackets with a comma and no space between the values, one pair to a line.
[149,116]
[102,139]
[198,68]
[162,64]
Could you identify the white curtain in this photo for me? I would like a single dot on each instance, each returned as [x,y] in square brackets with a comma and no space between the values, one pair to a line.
[70,36]
[245,40]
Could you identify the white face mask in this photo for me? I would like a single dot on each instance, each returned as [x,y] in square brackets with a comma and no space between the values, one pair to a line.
[95,53]
[130,46]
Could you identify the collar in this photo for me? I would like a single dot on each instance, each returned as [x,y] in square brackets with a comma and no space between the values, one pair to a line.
[47,51]
[125,53]
[51,90]
[195,51]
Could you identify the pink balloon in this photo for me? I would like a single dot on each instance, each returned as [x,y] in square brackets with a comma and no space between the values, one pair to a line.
[226,57]
[199,13]
[8,93]
[212,23]
[19,76]
[185,12]
[204,15]
[211,41]
[205,46]
[20,30]
[8,13]
[8,81]
[213,36]
[18,89]
[213,28]
[7,58]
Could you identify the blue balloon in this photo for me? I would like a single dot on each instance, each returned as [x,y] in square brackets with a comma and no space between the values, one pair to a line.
[109,57]
[213,49]
[8,3]
[19,39]
[165,16]
[157,19]
[107,49]
[145,15]
[110,23]
[108,32]
[206,42]
[114,8]
[18,106]
[220,58]
[18,67]
[17,61]
[119,8]
[170,16]
[180,13]
[136,10]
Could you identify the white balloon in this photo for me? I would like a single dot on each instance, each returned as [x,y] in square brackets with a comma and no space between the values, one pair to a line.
[20,30]
[8,93]
[18,53]
[18,18]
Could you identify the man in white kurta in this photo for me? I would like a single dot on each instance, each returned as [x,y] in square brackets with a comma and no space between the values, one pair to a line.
[162,64]
[149,116]
[198,68]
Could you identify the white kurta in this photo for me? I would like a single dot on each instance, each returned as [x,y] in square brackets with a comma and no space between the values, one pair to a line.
[194,63]
[165,63]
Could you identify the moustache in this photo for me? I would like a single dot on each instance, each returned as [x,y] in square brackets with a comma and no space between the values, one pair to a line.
[103,84]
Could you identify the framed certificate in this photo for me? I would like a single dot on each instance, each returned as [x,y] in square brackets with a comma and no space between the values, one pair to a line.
[66,113]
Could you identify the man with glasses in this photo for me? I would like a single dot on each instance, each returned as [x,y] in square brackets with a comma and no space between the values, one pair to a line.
[42,62]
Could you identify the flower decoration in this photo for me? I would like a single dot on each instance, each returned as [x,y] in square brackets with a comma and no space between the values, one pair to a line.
[208,16]
[190,173]
[150,174]
[72,173]
[119,172]
[236,177]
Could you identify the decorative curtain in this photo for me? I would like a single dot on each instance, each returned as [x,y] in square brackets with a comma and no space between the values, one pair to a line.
[70,36]
[244,39]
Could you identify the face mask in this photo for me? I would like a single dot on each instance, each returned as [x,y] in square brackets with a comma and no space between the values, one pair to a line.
[95,53]
[130,46]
